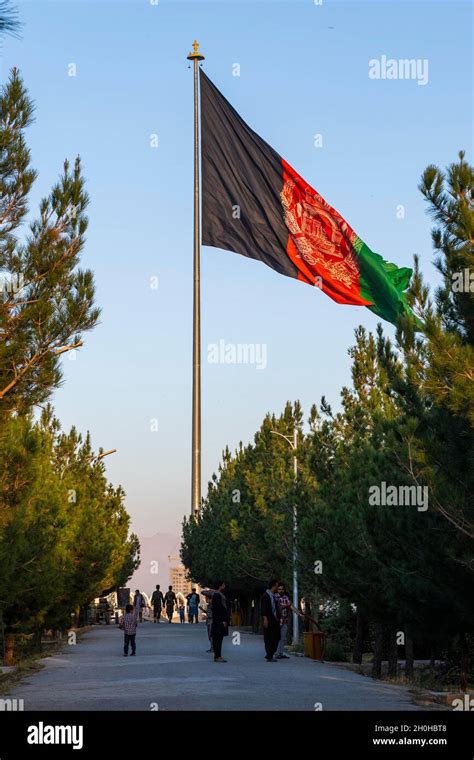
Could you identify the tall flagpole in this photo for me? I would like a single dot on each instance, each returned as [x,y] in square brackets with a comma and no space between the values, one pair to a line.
[196,57]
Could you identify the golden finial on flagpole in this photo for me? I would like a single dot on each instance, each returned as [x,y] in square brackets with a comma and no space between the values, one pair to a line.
[195,55]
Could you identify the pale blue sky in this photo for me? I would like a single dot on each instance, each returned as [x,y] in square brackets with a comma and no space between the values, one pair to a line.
[304,70]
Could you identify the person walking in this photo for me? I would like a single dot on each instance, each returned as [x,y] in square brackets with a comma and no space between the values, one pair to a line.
[157,600]
[208,612]
[170,603]
[139,604]
[193,606]
[285,606]
[307,615]
[271,620]
[128,624]
[181,612]
[220,620]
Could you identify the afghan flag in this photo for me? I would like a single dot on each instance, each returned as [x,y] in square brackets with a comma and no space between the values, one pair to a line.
[254,203]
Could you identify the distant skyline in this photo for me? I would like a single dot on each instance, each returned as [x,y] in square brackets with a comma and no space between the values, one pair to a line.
[110,81]
[155,566]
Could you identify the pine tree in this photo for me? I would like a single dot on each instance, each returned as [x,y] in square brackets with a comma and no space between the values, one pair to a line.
[64,530]
[46,301]
[9,23]
[245,531]
[451,204]
[436,385]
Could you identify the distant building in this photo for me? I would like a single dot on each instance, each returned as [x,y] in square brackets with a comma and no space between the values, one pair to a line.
[178,577]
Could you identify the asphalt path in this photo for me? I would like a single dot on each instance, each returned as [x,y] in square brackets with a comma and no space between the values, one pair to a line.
[173,671]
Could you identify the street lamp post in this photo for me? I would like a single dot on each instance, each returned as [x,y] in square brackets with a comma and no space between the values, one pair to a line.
[106,453]
[294,445]
[96,457]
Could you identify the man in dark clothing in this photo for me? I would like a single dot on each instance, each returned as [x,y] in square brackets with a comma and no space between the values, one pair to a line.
[170,602]
[220,620]
[157,600]
[271,620]
[193,606]
[139,604]
[307,615]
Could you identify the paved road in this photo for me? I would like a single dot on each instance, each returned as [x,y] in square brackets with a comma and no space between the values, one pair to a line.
[173,672]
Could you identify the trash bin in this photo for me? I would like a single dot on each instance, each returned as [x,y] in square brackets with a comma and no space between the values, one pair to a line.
[236,619]
[314,644]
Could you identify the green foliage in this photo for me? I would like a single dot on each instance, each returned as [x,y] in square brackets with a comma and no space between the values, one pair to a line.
[339,626]
[64,530]
[450,198]
[9,23]
[435,387]
[245,531]
[46,301]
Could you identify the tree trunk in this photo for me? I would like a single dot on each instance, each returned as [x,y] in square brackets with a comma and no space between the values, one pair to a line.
[249,613]
[392,653]
[359,638]
[257,622]
[409,654]
[8,657]
[378,651]
[464,664]
[38,637]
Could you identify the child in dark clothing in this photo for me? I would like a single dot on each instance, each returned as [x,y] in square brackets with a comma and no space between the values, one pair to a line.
[128,624]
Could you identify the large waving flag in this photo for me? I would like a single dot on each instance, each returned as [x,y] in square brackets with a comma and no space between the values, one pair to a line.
[256,204]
